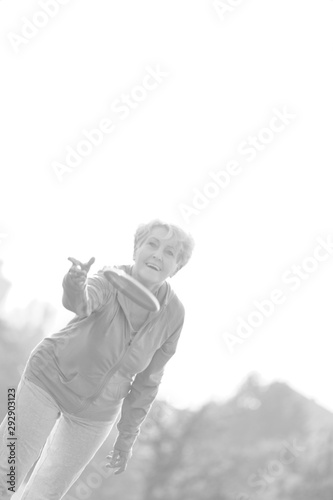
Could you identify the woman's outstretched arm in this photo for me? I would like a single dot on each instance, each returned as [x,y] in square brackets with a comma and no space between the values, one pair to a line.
[83,295]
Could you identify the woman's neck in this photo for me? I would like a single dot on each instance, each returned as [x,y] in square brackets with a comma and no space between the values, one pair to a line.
[153,288]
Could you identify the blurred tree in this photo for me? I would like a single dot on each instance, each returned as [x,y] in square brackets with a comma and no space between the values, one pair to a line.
[16,343]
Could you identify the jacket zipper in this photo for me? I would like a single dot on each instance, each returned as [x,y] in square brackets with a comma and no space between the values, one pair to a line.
[111,372]
[107,378]
[113,369]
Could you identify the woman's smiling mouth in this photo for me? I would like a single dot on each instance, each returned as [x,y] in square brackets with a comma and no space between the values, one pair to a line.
[153,266]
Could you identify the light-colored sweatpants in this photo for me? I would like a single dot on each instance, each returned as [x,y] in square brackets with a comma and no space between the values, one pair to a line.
[67,451]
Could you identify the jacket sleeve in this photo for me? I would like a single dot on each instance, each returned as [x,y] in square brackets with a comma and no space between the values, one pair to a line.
[83,300]
[138,401]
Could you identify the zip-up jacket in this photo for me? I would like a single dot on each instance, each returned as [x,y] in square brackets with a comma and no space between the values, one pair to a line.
[95,367]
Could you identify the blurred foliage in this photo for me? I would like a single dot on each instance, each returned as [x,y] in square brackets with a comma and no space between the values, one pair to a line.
[256,446]
[20,332]
[265,443]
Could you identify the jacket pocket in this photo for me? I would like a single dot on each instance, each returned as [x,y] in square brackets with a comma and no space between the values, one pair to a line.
[78,384]
[116,391]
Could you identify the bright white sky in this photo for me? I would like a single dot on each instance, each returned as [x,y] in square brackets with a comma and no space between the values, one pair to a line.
[225,78]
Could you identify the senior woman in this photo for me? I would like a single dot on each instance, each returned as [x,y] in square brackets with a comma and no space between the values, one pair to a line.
[109,359]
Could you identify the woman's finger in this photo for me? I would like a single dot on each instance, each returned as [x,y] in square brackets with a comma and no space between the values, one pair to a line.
[118,461]
[75,261]
[88,264]
[81,265]
[119,471]
[115,461]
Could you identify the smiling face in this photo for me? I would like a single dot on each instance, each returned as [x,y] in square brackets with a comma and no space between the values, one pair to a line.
[156,259]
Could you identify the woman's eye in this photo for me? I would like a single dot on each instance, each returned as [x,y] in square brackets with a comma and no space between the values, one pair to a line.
[152,244]
[170,252]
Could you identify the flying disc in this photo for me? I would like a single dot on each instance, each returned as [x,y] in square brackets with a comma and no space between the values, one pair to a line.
[132,288]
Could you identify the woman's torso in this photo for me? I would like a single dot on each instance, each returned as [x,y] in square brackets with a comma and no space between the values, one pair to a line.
[79,359]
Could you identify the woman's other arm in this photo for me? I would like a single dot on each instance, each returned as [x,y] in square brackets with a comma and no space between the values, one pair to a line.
[144,389]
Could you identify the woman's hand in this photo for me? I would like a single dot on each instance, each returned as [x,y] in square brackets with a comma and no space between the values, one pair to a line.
[79,271]
[118,460]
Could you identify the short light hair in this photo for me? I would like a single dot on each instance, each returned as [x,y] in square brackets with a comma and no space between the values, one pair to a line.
[185,240]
